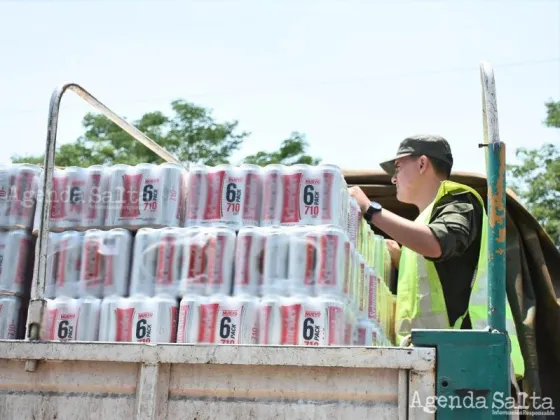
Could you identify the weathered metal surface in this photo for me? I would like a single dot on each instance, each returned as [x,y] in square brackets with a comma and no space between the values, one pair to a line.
[138,381]
[465,389]
[495,159]
[373,357]
[67,390]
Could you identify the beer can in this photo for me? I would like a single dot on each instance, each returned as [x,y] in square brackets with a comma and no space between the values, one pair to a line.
[189,319]
[371,247]
[52,265]
[6,188]
[123,190]
[269,318]
[335,319]
[236,320]
[9,317]
[273,194]
[137,192]
[349,269]
[197,195]
[116,254]
[109,327]
[194,261]
[371,303]
[139,319]
[231,195]
[292,311]
[217,189]
[88,319]
[173,197]
[361,286]
[24,185]
[349,325]
[365,333]
[303,260]
[15,254]
[148,208]
[221,251]
[91,271]
[74,202]
[379,255]
[252,194]
[61,321]
[276,245]
[333,195]
[300,203]
[378,336]
[356,290]
[167,317]
[332,253]
[69,264]
[249,259]
[96,197]
[144,262]
[208,321]
[59,217]
[168,264]
[354,220]
[321,322]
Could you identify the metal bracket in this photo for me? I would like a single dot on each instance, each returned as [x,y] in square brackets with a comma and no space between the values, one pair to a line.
[37,303]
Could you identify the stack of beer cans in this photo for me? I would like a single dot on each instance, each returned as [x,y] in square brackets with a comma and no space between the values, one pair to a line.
[278,255]
[18,197]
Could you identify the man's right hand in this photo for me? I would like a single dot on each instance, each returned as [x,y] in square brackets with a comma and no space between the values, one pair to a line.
[394,252]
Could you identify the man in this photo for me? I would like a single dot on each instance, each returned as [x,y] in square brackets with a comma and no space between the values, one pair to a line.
[442,281]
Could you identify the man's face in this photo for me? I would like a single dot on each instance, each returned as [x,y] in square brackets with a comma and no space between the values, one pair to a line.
[406,178]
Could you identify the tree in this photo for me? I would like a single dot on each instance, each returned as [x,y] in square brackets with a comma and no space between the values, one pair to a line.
[292,151]
[537,178]
[191,134]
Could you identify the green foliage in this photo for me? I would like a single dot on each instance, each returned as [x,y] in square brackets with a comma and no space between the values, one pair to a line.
[537,178]
[191,134]
[291,152]
[552,114]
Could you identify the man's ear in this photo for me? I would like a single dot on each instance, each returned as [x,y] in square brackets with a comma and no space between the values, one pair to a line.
[422,164]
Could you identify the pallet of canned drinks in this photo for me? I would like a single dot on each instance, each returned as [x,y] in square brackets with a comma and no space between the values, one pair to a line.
[227,255]
[18,191]
[149,195]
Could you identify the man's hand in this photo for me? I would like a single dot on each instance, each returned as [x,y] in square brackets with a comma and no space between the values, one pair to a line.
[394,251]
[415,236]
[357,193]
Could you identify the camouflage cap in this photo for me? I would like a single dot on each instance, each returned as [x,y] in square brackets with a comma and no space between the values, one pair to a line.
[429,145]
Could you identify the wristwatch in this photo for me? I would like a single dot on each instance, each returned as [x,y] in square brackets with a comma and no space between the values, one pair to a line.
[374,207]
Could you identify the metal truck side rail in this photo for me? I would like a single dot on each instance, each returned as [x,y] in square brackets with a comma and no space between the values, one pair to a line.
[37,301]
[167,381]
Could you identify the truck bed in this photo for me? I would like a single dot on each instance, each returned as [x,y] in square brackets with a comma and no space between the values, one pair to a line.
[78,381]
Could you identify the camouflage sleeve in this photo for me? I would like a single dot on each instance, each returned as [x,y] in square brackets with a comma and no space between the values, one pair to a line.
[455,224]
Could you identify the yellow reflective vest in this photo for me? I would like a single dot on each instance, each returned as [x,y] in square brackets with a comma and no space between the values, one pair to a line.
[420,299]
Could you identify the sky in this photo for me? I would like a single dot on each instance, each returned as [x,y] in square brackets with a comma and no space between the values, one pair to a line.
[356,77]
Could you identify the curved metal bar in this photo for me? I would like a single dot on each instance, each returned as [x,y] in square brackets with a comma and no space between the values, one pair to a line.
[37,303]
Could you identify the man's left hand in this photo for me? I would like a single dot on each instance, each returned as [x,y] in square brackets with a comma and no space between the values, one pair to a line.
[362,199]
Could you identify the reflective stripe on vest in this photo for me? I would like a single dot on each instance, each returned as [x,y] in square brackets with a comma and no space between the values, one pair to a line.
[420,299]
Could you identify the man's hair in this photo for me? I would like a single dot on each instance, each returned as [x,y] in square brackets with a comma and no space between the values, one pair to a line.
[440,167]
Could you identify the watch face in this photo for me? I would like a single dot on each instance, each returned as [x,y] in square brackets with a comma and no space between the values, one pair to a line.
[375,205]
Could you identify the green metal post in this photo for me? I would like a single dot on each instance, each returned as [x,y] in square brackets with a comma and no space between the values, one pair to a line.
[496,237]
[496,176]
